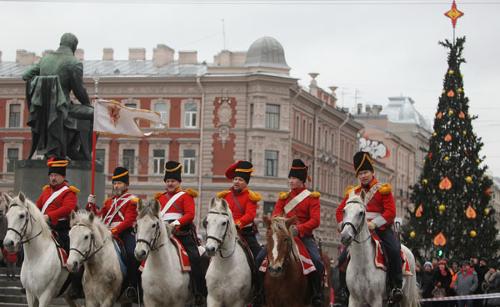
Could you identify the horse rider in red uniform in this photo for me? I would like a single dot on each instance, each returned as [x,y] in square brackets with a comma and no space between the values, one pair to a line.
[380,213]
[305,205]
[119,213]
[57,201]
[178,209]
[243,203]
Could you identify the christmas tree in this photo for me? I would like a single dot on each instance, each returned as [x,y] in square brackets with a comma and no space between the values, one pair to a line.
[452,215]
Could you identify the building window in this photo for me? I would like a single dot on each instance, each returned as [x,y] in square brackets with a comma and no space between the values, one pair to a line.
[100,156]
[131,105]
[12,157]
[158,161]
[161,108]
[297,127]
[128,160]
[268,207]
[250,154]
[15,115]
[189,161]
[271,163]
[310,133]
[190,115]
[272,116]
[304,131]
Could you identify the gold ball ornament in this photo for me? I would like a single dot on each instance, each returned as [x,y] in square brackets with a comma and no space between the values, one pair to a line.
[442,208]
[446,158]
[468,179]
[486,211]
[460,90]
[472,233]
[424,181]
[451,72]
[464,132]
[413,234]
[451,112]
[434,134]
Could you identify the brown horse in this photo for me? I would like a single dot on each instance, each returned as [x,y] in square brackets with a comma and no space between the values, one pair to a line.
[328,293]
[284,282]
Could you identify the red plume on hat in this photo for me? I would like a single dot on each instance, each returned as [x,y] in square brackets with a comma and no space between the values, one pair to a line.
[241,169]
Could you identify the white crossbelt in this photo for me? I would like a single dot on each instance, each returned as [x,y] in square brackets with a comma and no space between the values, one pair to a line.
[52,197]
[169,204]
[115,209]
[296,200]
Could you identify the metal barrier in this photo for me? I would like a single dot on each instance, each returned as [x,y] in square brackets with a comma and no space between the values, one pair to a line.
[462,297]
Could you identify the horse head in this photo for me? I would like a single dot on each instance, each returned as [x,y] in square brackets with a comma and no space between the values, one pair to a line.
[149,229]
[280,244]
[4,203]
[219,224]
[354,218]
[82,237]
[19,219]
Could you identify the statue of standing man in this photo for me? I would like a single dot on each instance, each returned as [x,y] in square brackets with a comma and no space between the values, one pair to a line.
[59,127]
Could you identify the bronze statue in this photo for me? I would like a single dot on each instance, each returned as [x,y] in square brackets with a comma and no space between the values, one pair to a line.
[59,127]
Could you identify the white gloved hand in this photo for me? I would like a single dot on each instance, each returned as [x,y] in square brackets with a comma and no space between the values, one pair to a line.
[372,225]
[91,199]
[175,223]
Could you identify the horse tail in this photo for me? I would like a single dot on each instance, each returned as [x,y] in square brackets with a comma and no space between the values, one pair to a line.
[411,297]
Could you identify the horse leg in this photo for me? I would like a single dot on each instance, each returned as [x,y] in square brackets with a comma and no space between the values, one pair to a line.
[212,302]
[69,301]
[354,303]
[32,301]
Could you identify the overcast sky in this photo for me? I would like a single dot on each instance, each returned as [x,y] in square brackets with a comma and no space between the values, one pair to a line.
[382,48]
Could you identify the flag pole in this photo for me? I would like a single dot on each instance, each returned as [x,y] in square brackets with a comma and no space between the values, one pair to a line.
[94,141]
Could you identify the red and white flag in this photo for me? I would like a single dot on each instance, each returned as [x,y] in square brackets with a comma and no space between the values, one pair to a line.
[112,117]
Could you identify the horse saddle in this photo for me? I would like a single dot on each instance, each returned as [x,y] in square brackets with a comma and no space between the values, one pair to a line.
[249,256]
[304,257]
[122,255]
[61,253]
[381,259]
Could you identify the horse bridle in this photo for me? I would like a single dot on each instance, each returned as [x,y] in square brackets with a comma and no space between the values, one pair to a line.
[356,231]
[221,240]
[22,233]
[152,244]
[92,243]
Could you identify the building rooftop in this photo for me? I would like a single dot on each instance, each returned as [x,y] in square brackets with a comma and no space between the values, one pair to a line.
[266,52]
[402,110]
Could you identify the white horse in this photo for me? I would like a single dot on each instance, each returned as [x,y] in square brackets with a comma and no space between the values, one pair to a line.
[163,282]
[41,274]
[229,277]
[367,283]
[91,244]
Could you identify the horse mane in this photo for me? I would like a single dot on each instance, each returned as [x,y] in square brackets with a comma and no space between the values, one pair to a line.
[83,217]
[278,224]
[147,209]
[34,212]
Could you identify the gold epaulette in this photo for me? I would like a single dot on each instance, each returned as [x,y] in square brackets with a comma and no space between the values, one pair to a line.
[223,194]
[74,189]
[349,189]
[158,195]
[191,192]
[284,195]
[135,200]
[45,187]
[254,196]
[315,194]
[385,189]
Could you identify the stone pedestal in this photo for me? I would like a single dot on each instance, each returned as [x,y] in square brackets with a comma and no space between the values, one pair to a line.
[32,175]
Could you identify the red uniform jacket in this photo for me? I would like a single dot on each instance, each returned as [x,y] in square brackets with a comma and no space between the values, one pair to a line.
[61,207]
[307,211]
[119,213]
[183,208]
[245,213]
[381,209]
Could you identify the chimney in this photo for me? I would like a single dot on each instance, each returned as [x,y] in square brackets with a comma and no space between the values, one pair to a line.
[25,58]
[137,54]
[360,108]
[188,57]
[313,75]
[377,109]
[162,55]
[369,109]
[79,54]
[107,54]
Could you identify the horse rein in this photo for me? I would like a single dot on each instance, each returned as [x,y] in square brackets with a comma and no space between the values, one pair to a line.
[22,233]
[356,231]
[153,243]
[88,254]
[219,240]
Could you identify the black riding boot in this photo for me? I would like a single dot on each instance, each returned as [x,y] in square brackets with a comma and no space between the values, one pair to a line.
[259,296]
[76,288]
[317,294]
